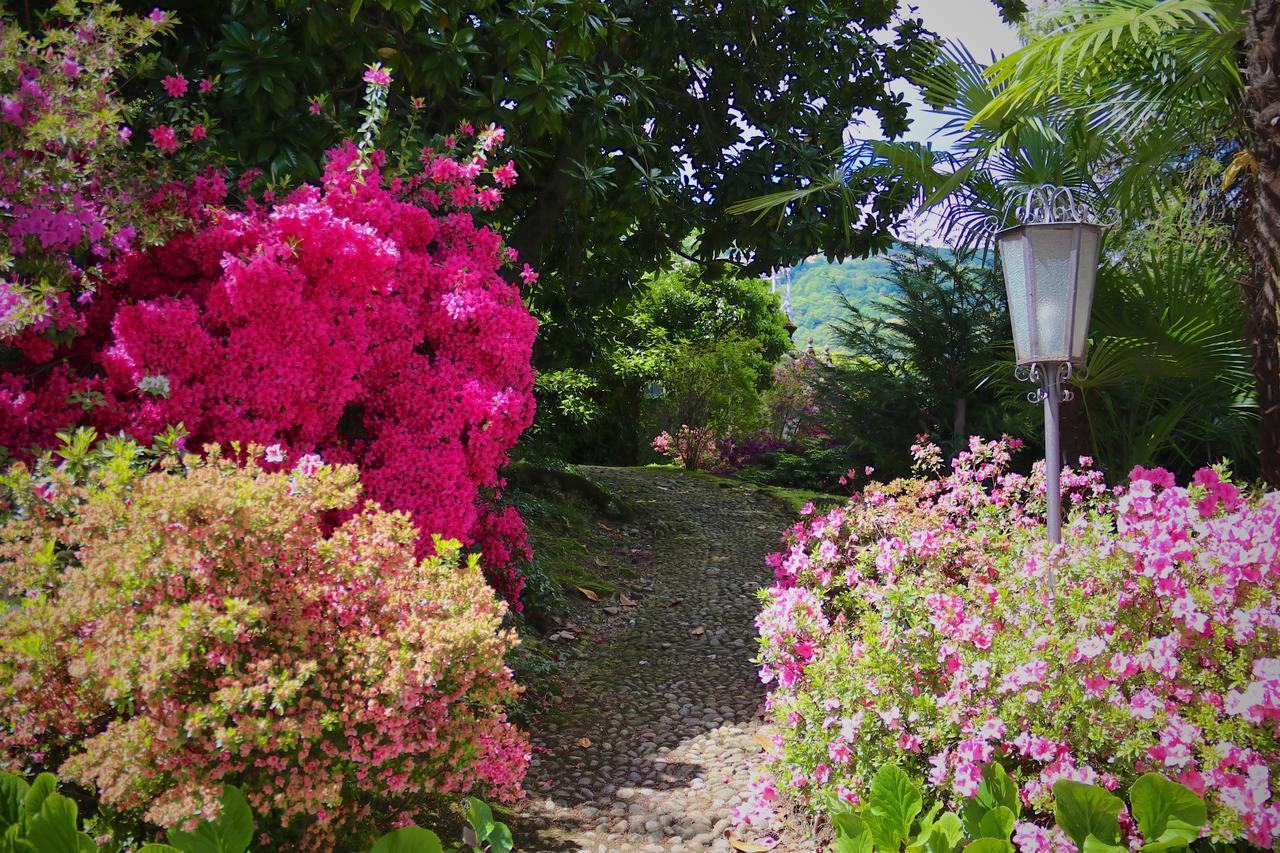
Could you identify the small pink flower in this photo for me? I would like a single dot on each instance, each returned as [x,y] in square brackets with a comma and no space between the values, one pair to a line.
[505,175]
[71,68]
[309,465]
[198,132]
[175,84]
[376,75]
[158,15]
[206,85]
[314,106]
[527,275]
[164,138]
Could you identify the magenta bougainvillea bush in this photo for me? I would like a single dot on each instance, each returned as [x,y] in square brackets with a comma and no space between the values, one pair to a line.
[168,631]
[916,626]
[368,320]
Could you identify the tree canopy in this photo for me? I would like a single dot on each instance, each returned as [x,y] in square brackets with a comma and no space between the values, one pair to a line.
[634,124]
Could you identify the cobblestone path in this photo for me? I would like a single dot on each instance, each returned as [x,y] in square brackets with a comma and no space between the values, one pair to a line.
[653,744]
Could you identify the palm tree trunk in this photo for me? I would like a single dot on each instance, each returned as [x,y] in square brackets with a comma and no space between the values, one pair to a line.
[1262,225]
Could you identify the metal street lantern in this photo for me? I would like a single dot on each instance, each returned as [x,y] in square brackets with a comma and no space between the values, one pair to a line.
[1050,260]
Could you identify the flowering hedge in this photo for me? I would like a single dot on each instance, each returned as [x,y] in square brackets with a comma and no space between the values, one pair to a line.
[367,320]
[914,626]
[182,629]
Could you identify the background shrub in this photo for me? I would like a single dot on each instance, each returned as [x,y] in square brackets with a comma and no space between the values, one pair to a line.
[174,631]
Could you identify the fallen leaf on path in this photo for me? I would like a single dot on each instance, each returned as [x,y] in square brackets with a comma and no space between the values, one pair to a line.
[584,742]
[699,631]
[764,743]
[624,601]
[676,603]
[589,593]
[748,846]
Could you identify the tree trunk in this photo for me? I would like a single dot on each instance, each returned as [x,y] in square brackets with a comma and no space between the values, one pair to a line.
[960,421]
[1262,225]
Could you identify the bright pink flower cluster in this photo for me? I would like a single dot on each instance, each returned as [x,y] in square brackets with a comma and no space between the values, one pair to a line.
[916,626]
[367,321]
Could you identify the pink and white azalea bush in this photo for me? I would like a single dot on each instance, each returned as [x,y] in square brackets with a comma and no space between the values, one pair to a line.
[76,190]
[170,631]
[915,626]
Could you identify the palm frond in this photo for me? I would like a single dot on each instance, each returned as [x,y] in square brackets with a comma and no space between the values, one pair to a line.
[1091,34]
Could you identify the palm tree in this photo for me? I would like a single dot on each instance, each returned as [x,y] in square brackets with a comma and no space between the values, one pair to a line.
[1162,80]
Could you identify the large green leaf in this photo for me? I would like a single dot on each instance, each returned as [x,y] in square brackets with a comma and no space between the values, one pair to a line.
[892,808]
[1169,815]
[852,834]
[230,833]
[55,828]
[408,839]
[13,793]
[1086,810]
[996,790]
[41,787]
[997,823]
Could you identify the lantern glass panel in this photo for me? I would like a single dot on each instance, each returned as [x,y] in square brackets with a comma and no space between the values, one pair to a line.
[1015,282]
[1053,276]
[1090,242]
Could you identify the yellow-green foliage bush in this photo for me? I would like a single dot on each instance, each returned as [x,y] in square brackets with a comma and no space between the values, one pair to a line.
[173,630]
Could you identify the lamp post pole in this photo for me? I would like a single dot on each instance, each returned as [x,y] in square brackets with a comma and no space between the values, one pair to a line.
[1049,247]
[1051,389]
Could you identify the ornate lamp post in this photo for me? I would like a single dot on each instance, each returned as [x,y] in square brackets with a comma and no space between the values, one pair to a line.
[1050,260]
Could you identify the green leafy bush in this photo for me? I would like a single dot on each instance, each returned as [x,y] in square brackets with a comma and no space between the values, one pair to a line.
[37,818]
[1161,815]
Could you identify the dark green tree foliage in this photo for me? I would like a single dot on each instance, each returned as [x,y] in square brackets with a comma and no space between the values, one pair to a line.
[913,365]
[598,412]
[1168,379]
[633,123]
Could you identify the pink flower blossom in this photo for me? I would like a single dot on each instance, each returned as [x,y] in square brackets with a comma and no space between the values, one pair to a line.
[175,85]
[376,75]
[164,139]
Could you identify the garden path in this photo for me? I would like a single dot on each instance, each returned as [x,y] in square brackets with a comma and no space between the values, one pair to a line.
[651,744]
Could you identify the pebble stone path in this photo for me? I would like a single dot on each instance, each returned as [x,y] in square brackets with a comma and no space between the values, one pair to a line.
[654,747]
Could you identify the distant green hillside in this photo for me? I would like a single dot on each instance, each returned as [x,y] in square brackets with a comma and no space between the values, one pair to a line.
[814,303]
